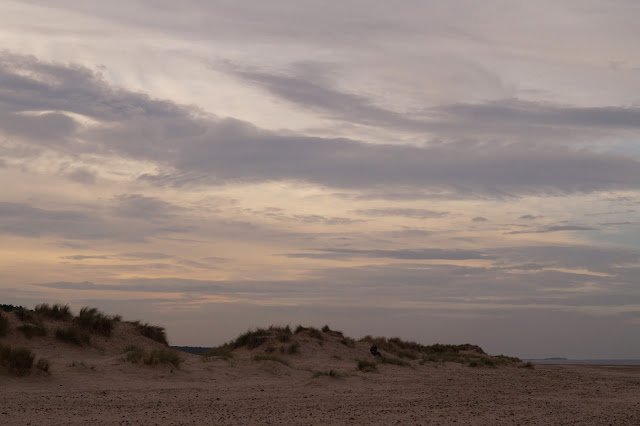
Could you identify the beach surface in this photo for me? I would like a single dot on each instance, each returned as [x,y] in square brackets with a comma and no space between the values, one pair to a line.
[320,385]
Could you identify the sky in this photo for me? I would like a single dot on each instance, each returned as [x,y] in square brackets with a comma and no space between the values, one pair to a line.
[441,171]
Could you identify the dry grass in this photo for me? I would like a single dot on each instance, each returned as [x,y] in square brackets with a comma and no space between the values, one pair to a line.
[56,311]
[19,360]
[73,335]
[31,330]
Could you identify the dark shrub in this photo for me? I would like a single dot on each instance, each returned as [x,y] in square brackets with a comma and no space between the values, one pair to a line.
[299,328]
[56,311]
[326,329]
[73,335]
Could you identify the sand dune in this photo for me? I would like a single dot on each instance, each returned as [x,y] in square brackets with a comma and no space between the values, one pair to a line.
[264,381]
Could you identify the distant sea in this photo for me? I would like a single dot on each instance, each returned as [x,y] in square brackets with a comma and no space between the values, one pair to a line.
[586,361]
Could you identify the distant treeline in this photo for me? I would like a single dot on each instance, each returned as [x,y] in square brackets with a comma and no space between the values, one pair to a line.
[10,308]
[196,350]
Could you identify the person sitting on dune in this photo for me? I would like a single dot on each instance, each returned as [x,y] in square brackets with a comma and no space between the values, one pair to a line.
[374,351]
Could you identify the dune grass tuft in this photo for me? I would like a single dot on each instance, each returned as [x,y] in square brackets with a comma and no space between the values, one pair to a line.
[293,348]
[161,356]
[95,321]
[30,330]
[251,338]
[223,351]
[153,332]
[56,311]
[73,335]
[18,359]
[366,366]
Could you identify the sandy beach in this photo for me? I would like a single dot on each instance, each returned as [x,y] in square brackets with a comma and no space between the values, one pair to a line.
[320,385]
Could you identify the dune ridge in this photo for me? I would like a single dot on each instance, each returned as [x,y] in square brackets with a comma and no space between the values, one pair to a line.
[125,373]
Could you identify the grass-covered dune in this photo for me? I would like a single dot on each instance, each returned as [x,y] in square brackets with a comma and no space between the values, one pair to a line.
[34,340]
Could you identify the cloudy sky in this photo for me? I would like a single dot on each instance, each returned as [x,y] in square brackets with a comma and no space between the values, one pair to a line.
[433,170]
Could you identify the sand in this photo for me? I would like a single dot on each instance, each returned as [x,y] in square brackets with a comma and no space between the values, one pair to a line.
[94,385]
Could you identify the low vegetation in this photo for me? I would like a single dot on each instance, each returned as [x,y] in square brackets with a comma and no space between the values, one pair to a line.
[367,366]
[95,321]
[153,332]
[270,357]
[135,354]
[18,360]
[330,373]
[73,335]
[4,325]
[31,330]
[223,351]
[56,311]
[392,361]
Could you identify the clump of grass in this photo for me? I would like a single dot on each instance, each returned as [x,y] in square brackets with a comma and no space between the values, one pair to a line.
[269,357]
[95,321]
[164,355]
[348,342]
[251,338]
[315,333]
[30,330]
[224,351]
[326,329]
[134,354]
[283,334]
[153,332]
[393,361]
[43,365]
[19,359]
[56,311]
[293,348]
[25,315]
[330,373]
[367,366]
[4,325]
[73,335]
[299,329]
[406,353]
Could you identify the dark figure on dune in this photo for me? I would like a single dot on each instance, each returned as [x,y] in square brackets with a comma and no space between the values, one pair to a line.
[374,351]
